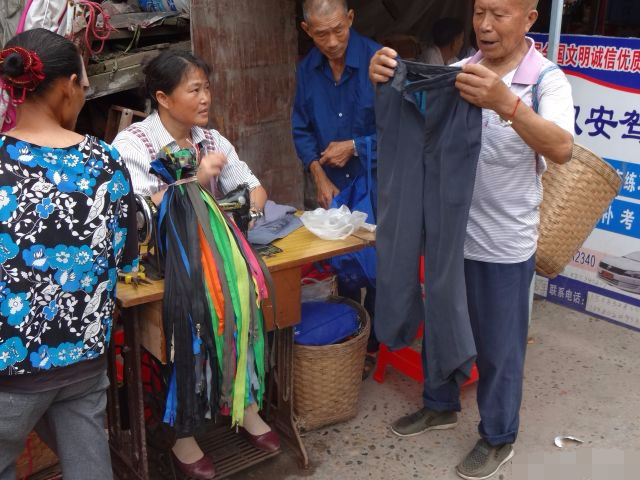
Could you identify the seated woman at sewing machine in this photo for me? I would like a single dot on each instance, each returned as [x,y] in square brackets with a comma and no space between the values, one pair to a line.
[177,84]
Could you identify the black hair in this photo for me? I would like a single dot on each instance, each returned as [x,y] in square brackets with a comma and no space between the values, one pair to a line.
[59,57]
[445,31]
[165,72]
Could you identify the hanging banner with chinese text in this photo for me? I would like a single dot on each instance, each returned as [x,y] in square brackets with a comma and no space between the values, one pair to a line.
[603,278]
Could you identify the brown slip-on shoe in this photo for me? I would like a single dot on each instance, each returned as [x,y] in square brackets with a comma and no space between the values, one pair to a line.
[267,442]
[203,469]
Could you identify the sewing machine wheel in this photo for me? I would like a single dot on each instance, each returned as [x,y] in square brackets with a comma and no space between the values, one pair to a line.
[145,219]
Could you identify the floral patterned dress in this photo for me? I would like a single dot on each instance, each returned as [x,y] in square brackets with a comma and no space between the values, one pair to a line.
[67,223]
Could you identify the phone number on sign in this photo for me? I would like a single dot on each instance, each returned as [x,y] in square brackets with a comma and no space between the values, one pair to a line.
[584,258]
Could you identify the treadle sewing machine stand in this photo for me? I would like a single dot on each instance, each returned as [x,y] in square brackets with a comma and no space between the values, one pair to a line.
[141,316]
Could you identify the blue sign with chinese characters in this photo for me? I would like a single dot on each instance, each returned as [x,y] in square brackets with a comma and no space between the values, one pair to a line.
[603,278]
[622,217]
[630,175]
[607,61]
[600,120]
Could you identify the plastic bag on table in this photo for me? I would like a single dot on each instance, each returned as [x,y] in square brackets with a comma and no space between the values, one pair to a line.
[333,224]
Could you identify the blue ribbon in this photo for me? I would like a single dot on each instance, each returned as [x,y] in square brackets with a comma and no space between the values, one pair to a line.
[172,401]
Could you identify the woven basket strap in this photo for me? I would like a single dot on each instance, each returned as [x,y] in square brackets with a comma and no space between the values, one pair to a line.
[535,99]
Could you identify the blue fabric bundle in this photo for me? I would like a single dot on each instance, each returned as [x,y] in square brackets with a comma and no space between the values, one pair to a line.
[326,323]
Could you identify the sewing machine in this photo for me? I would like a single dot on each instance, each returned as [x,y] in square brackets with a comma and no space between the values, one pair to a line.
[238,203]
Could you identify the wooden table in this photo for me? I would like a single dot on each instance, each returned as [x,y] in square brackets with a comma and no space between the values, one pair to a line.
[141,306]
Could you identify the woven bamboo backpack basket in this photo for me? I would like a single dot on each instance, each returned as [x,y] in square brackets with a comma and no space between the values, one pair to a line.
[576,194]
[327,379]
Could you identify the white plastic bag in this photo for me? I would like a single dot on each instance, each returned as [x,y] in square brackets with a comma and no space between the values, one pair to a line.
[313,290]
[333,224]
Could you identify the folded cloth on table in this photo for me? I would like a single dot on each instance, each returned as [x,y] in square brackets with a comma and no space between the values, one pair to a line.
[278,221]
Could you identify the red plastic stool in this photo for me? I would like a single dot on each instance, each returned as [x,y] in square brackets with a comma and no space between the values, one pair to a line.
[407,360]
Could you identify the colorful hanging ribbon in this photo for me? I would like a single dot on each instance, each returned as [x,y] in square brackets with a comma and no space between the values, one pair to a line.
[214,286]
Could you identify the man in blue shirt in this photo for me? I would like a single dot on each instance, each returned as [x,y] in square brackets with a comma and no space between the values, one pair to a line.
[333,117]
[333,110]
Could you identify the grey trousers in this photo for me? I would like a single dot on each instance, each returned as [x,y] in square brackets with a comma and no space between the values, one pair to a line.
[70,420]
[428,146]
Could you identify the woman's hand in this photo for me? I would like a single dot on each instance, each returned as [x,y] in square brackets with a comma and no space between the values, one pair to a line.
[210,166]
[258,197]
[382,65]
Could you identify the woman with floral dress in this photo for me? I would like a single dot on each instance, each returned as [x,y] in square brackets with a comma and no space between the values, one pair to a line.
[67,223]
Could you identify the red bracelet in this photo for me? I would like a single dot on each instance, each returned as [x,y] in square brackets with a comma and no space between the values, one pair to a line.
[513,114]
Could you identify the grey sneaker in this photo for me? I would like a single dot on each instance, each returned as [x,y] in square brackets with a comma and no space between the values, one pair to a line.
[484,460]
[422,421]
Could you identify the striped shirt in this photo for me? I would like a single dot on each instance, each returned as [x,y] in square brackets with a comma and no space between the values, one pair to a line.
[130,142]
[505,210]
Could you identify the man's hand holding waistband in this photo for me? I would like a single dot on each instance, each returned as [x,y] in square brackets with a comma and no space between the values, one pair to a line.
[382,65]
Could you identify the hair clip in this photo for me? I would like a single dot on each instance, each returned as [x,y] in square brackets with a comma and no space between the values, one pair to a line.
[31,77]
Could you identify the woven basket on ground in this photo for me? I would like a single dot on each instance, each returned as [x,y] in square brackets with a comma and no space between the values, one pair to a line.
[576,195]
[327,379]
[35,457]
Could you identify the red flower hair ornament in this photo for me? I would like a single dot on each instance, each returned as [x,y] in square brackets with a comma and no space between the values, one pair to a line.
[28,81]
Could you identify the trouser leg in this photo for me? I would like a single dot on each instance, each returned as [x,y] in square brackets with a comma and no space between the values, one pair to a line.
[399,234]
[499,310]
[444,398]
[450,160]
[77,418]
[19,413]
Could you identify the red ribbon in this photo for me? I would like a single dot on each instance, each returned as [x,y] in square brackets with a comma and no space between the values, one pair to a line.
[31,77]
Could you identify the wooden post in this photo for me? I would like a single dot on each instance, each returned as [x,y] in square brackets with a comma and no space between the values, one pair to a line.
[252,46]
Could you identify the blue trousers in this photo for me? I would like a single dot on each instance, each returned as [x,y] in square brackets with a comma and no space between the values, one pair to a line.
[498,300]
